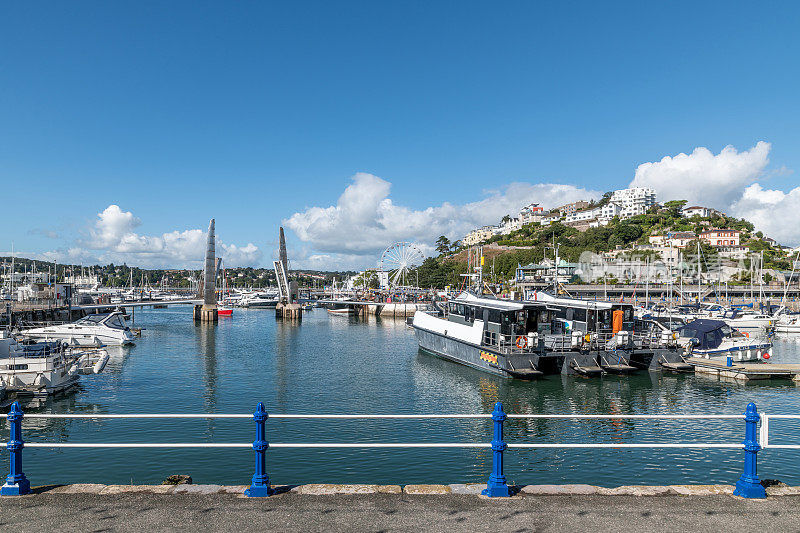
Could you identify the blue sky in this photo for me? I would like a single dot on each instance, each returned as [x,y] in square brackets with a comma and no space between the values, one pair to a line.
[256,112]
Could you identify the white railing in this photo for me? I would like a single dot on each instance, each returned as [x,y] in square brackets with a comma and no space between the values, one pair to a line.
[496,485]
[392,444]
[763,432]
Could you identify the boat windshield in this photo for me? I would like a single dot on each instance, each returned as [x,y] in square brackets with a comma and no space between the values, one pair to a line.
[728,331]
[115,322]
[92,320]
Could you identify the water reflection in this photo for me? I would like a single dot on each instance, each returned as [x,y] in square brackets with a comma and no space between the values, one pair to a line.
[338,364]
[286,333]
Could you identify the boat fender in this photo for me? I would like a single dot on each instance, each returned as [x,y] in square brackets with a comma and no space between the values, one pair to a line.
[522,342]
[101,364]
[765,355]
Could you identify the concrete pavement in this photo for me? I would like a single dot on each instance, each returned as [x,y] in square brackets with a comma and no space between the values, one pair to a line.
[345,508]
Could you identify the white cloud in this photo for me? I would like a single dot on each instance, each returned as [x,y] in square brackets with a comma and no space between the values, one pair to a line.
[702,177]
[365,220]
[774,212]
[112,239]
[113,225]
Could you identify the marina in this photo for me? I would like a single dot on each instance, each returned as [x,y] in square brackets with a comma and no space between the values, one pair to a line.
[371,266]
[330,364]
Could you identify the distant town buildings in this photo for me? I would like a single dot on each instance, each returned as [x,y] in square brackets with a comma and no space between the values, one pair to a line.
[479,235]
[574,207]
[721,237]
[698,211]
[532,214]
[679,239]
[622,204]
[633,201]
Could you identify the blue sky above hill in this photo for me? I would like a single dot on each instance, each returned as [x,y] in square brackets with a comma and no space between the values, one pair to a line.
[124,127]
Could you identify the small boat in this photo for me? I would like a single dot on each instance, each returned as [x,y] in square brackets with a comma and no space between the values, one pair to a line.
[260,300]
[224,311]
[787,323]
[714,339]
[746,322]
[340,307]
[45,367]
[96,330]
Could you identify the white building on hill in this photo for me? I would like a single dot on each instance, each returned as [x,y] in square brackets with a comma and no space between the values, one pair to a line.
[633,201]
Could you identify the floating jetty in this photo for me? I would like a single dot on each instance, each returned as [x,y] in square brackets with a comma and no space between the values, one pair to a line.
[745,371]
[384,309]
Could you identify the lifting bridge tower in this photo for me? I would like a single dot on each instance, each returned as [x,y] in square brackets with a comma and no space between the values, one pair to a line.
[289,294]
[207,311]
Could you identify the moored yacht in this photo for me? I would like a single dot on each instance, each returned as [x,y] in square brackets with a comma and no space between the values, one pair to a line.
[715,339]
[45,367]
[260,300]
[547,336]
[92,330]
[787,323]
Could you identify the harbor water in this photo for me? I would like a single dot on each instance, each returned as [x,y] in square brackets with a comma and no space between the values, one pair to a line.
[339,364]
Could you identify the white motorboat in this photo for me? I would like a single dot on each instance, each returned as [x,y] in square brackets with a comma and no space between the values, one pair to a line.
[260,300]
[787,323]
[45,367]
[92,330]
[715,339]
[749,323]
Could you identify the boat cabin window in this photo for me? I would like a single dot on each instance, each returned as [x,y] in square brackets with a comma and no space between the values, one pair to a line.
[713,338]
[469,313]
[92,319]
[544,326]
[508,322]
[115,322]
[604,319]
[627,317]
[457,309]
[728,331]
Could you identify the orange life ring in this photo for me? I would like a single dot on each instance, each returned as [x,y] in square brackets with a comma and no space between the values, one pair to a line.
[522,342]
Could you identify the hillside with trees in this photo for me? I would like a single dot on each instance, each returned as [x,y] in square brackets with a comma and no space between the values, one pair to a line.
[533,243]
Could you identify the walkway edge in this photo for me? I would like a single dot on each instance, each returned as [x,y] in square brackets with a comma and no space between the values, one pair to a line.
[328,489]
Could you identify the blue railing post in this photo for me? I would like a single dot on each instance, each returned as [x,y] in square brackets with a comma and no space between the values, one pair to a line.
[748,485]
[497,481]
[16,482]
[260,485]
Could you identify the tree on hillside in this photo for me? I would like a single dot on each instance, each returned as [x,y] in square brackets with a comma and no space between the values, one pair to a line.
[605,199]
[675,207]
[443,244]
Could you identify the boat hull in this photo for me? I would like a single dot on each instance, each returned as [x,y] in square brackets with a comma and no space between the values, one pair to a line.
[89,340]
[460,352]
[548,362]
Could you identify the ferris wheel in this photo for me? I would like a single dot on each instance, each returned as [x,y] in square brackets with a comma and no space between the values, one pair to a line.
[398,260]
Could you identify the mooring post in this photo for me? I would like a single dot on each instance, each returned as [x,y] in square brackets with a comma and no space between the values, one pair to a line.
[16,482]
[260,485]
[749,485]
[497,481]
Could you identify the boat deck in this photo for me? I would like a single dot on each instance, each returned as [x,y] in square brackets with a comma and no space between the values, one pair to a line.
[745,371]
